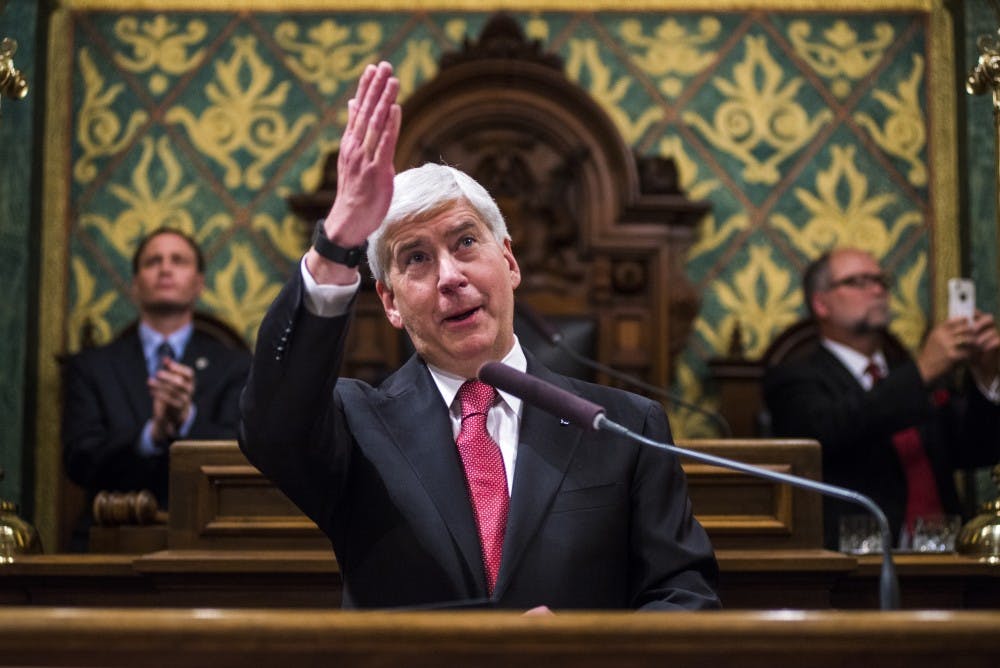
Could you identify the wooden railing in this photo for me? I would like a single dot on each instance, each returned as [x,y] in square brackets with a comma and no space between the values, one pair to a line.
[218,638]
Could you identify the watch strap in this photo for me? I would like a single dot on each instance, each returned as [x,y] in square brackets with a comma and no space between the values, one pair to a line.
[349,257]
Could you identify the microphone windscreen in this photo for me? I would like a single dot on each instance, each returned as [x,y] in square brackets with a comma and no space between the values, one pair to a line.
[541,325]
[541,394]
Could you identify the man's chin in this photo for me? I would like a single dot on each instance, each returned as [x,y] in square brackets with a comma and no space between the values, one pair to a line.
[167,308]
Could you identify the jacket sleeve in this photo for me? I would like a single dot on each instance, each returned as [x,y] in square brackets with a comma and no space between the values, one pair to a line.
[99,440]
[673,565]
[292,425]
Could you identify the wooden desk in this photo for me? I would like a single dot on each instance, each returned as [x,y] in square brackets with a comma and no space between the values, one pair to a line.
[749,580]
[219,638]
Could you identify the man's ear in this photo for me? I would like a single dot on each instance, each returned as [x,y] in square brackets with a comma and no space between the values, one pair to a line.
[388,298]
[515,270]
[819,306]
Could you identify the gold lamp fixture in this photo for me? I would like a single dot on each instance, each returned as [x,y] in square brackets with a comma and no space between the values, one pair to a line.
[980,537]
[12,82]
[17,537]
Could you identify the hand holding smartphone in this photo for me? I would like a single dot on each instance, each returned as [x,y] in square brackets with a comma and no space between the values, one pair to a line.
[961,298]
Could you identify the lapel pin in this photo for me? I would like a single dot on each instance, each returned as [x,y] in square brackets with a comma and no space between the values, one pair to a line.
[201,363]
[563,421]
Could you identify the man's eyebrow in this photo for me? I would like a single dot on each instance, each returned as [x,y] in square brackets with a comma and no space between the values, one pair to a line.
[409,245]
[462,226]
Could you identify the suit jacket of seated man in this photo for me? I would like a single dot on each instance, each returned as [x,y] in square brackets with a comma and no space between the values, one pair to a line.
[818,397]
[594,521]
[107,403]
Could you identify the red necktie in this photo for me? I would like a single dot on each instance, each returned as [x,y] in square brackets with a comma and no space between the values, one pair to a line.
[484,473]
[922,498]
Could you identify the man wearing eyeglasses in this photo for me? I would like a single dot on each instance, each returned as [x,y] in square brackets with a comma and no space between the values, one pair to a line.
[892,426]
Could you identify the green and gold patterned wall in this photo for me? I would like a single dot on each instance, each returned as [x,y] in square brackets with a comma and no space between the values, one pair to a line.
[805,124]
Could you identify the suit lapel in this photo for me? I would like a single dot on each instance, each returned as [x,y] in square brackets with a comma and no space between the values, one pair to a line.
[544,452]
[837,371]
[416,417]
[129,366]
[196,355]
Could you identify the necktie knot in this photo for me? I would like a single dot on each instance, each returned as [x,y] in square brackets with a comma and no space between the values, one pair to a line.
[164,350]
[874,371]
[476,397]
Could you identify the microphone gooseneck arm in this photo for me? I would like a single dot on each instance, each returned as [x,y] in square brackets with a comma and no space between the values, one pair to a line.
[590,416]
[888,582]
[555,338]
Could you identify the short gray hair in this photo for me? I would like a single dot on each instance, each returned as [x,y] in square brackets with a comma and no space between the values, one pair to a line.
[423,191]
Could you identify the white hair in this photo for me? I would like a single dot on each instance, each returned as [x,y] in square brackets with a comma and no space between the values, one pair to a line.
[420,191]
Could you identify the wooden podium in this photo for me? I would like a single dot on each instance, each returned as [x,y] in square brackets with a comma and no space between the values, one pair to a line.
[233,540]
[220,502]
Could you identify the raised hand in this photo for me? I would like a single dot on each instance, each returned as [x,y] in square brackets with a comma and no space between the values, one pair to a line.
[948,344]
[984,358]
[364,169]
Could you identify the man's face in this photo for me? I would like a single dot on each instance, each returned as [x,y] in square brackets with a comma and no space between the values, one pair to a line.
[168,280]
[452,289]
[857,299]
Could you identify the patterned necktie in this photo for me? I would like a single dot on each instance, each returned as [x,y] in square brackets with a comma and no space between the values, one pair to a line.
[164,350]
[922,497]
[484,473]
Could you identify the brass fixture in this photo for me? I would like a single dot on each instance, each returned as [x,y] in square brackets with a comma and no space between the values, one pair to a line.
[12,82]
[980,537]
[17,537]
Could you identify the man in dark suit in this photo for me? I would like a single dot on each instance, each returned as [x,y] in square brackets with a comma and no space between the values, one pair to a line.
[125,402]
[892,427]
[435,489]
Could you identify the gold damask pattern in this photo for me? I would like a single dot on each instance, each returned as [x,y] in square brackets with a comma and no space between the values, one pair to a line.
[672,54]
[159,46]
[802,129]
[99,129]
[329,58]
[760,110]
[842,211]
[247,115]
[904,134]
[840,56]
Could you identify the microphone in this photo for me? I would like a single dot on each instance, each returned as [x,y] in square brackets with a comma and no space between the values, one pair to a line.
[591,417]
[554,337]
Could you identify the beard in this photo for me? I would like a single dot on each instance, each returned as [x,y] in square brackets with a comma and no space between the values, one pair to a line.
[875,321]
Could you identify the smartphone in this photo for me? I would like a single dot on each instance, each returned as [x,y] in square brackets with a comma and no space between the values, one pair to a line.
[961,298]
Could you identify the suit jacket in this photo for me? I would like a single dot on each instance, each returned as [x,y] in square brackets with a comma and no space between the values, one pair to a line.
[106,403]
[594,521]
[818,397]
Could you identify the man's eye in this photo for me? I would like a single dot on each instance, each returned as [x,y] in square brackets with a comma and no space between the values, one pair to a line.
[467,241]
[415,258]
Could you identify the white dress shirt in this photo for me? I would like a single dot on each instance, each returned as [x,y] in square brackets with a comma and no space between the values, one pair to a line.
[503,422]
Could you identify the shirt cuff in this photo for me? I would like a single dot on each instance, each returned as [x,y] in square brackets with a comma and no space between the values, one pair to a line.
[991,391]
[186,426]
[326,301]
[146,446]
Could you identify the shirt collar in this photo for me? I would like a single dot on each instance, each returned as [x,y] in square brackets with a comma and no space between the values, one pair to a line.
[855,361]
[151,339]
[448,384]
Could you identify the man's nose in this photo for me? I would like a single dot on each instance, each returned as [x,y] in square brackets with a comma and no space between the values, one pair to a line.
[450,273]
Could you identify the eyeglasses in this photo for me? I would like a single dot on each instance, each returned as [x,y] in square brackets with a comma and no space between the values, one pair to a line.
[862,281]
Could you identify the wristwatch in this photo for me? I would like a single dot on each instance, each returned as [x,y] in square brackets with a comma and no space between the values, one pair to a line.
[350,257]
